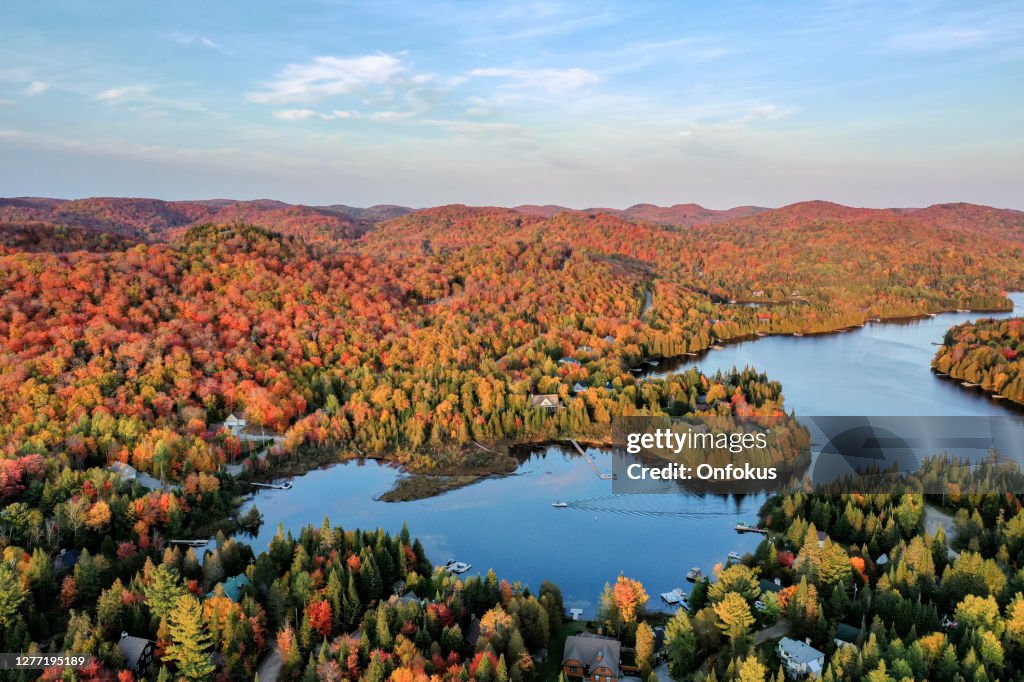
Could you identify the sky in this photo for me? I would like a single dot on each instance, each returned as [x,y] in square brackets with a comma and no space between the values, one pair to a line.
[580,104]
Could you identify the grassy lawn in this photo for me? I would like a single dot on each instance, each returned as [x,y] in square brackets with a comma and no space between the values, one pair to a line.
[549,669]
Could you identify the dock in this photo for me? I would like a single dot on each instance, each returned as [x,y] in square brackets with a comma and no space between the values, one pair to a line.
[676,596]
[591,462]
[191,543]
[744,528]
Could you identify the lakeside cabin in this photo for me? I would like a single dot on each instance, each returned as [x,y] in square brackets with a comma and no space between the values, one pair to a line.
[546,401]
[594,658]
[232,587]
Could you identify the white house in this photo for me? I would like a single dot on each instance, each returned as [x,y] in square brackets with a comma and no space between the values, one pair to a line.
[800,658]
[235,423]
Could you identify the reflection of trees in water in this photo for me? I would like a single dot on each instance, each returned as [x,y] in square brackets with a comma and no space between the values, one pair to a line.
[656,501]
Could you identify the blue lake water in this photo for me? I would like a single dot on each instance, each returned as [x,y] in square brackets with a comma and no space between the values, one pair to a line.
[508,523]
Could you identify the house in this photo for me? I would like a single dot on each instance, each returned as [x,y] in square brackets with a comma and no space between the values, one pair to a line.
[473,632]
[547,401]
[129,474]
[594,658]
[770,585]
[569,361]
[609,339]
[882,560]
[66,560]
[579,387]
[846,635]
[235,423]
[822,536]
[126,472]
[232,587]
[137,652]
[800,658]
[405,600]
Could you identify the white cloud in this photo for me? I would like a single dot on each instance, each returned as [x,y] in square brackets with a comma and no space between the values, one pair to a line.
[121,94]
[547,80]
[295,114]
[328,76]
[343,114]
[192,39]
[942,39]
[37,88]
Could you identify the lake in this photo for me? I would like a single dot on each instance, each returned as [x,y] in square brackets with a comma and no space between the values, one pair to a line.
[508,523]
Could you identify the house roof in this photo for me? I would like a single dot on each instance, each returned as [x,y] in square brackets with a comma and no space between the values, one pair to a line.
[67,559]
[593,651]
[406,599]
[232,587]
[545,400]
[132,648]
[769,586]
[847,633]
[236,417]
[799,652]
[473,631]
[123,470]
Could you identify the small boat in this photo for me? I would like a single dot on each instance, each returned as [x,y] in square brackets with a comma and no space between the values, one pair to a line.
[743,525]
[694,574]
[559,505]
[717,347]
[967,384]
[996,396]
[797,334]
[963,310]
[735,556]
[457,567]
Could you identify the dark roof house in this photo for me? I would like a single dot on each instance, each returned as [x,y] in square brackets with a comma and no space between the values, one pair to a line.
[592,657]
[137,652]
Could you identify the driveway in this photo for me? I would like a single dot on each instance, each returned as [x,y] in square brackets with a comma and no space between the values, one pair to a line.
[780,628]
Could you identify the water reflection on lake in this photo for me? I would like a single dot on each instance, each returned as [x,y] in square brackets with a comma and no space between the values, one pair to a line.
[509,524]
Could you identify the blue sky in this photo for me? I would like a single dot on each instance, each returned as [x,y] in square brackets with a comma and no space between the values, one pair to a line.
[581,104]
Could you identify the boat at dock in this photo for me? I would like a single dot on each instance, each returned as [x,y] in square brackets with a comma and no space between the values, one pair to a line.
[457,567]
[735,556]
[968,384]
[675,596]
[744,527]
[694,574]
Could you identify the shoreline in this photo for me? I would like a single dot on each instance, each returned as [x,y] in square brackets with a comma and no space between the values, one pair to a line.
[300,465]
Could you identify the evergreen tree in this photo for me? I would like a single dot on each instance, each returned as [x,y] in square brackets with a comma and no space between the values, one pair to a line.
[190,644]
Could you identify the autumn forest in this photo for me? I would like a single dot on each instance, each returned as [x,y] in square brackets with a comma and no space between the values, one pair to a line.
[131,330]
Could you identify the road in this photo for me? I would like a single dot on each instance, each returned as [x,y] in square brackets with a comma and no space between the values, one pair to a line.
[270,667]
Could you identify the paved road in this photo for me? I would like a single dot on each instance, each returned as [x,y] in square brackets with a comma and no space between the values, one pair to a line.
[270,667]
[780,628]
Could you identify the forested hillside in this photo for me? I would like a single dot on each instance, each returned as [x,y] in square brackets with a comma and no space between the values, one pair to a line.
[433,329]
[988,353]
